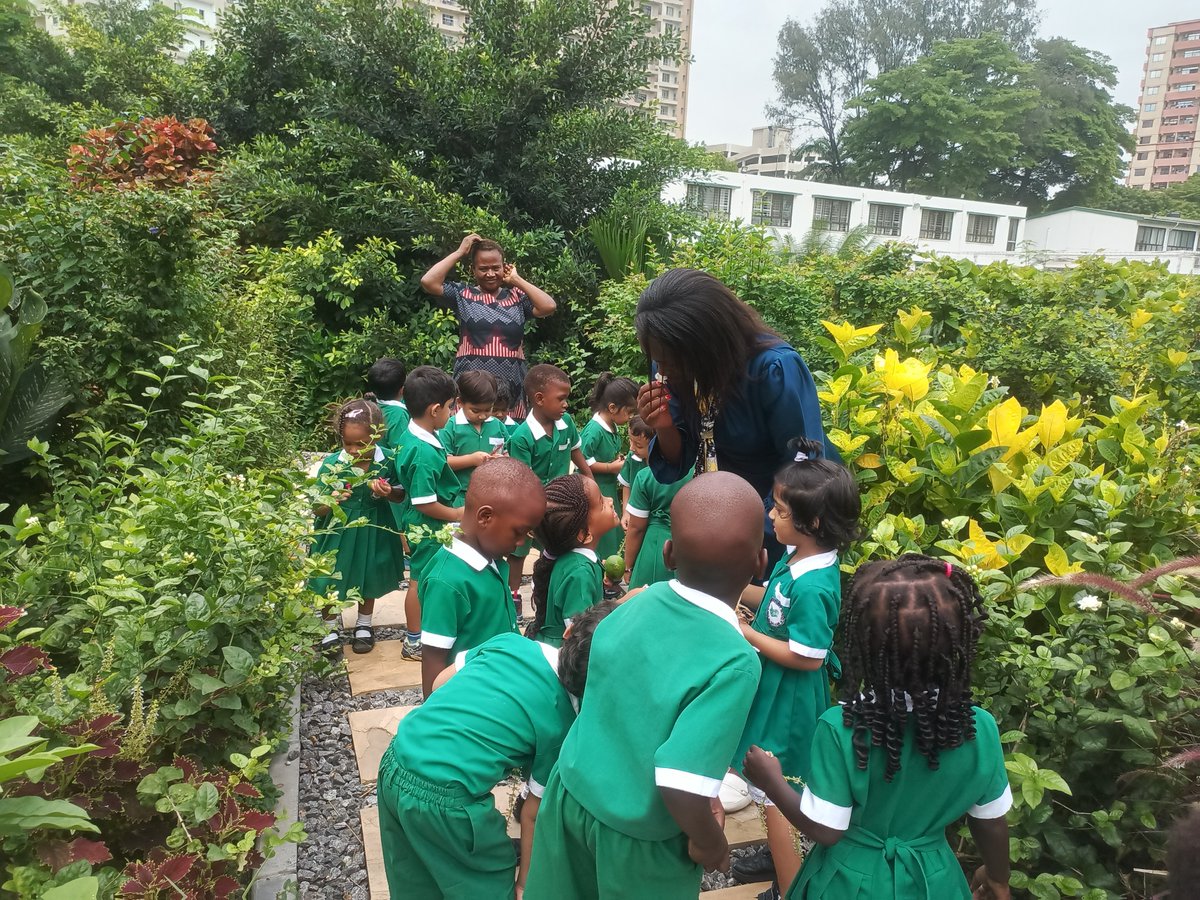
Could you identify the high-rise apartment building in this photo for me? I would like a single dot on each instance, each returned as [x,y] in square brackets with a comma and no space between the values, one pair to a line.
[667,81]
[449,18]
[1167,151]
[200,19]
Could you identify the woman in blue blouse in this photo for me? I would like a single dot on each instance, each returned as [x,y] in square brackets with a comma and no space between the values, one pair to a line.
[725,390]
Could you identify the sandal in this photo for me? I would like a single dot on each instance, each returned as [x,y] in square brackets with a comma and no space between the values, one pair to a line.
[364,639]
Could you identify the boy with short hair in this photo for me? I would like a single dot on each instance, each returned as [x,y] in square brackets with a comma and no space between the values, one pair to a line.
[508,704]
[639,451]
[434,492]
[630,808]
[501,405]
[548,442]
[464,595]
[385,379]
[473,437]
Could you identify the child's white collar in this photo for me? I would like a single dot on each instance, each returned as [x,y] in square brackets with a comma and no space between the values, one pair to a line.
[536,429]
[427,436]
[812,563]
[460,417]
[587,553]
[706,602]
[345,457]
[599,420]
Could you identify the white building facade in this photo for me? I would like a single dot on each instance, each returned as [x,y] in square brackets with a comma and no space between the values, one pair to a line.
[970,229]
[1057,239]
[768,153]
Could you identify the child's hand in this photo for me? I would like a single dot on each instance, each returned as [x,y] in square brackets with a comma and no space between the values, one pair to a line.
[983,887]
[481,457]
[714,858]
[761,767]
[745,613]
[380,487]
[652,405]
[625,522]
[340,494]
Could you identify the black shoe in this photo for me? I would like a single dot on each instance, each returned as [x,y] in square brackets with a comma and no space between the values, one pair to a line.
[771,893]
[754,867]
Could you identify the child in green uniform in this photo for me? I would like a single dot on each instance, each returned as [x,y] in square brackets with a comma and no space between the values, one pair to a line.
[434,491]
[639,449]
[361,478]
[548,442]
[464,591]
[504,705]
[815,514]
[385,379]
[567,578]
[613,401]
[500,407]
[649,529]
[629,810]
[906,755]
[473,437]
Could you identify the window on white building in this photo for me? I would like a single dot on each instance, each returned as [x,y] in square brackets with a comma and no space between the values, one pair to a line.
[667,109]
[1186,70]
[835,214]
[1138,173]
[1149,107]
[885,219]
[1013,225]
[1144,139]
[773,209]
[1191,54]
[1190,86]
[1152,90]
[1150,238]
[936,224]
[1145,154]
[710,199]
[448,19]
[1147,123]
[647,9]
[1192,36]
[1154,73]
[1160,40]
[669,93]
[981,229]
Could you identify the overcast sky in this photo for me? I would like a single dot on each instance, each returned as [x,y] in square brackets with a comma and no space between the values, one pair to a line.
[734,43]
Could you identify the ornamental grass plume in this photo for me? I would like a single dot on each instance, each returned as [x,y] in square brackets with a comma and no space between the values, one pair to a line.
[1131,591]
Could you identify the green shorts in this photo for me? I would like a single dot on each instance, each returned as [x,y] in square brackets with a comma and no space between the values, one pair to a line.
[577,856]
[439,842]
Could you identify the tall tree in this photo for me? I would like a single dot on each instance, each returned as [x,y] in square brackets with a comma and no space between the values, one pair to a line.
[945,123]
[821,67]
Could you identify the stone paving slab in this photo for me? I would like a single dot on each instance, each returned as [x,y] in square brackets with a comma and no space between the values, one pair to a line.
[389,612]
[745,827]
[382,669]
[372,730]
[737,892]
[376,877]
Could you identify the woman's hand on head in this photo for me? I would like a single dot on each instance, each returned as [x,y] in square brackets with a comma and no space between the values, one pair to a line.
[653,406]
[510,276]
[468,242]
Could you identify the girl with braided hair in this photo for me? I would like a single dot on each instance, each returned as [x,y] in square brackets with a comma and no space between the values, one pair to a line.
[907,754]
[361,480]
[567,578]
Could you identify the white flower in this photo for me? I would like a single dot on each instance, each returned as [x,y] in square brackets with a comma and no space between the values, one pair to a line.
[1177,622]
[1181,425]
[32,520]
[1089,603]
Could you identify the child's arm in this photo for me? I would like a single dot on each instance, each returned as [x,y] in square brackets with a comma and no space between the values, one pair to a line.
[624,507]
[529,811]
[780,652]
[581,464]
[762,769]
[607,468]
[694,816]
[635,534]
[468,461]
[440,511]
[991,837]
[434,660]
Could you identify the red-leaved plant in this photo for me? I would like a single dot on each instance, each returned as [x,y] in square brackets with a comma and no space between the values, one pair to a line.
[162,152]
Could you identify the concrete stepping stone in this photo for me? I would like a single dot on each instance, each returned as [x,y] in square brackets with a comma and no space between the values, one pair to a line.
[383,669]
[745,827]
[389,612]
[372,730]
[737,892]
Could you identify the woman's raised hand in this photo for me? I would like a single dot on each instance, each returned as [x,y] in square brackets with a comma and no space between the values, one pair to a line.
[467,243]
[653,406]
[510,275]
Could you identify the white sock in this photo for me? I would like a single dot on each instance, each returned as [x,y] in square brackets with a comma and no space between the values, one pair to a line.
[333,624]
[363,619]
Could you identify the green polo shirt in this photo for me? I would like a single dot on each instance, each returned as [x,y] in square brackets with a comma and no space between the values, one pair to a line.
[395,422]
[549,455]
[510,425]
[426,476]
[504,709]
[460,438]
[576,583]
[633,465]
[465,599]
[682,655]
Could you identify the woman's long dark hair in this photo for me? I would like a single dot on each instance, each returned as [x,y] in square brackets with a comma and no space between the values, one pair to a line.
[708,333]
[566,516]
[908,637]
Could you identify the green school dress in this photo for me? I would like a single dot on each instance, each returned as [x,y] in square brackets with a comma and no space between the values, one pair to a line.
[549,455]
[600,442]
[510,425]
[895,841]
[801,606]
[460,438]
[650,499]
[465,599]
[633,465]
[428,478]
[504,709]
[576,584]
[369,556]
[395,423]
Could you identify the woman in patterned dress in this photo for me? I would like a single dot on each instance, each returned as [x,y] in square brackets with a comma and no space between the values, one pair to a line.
[491,313]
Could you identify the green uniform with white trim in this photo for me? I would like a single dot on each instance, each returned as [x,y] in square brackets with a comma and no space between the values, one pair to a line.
[464,599]
[800,605]
[461,438]
[633,465]
[651,499]
[895,841]
[395,423]
[510,425]
[576,584]
[600,442]
[678,680]
[369,556]
[428,478]
[549,455]
[504,709]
